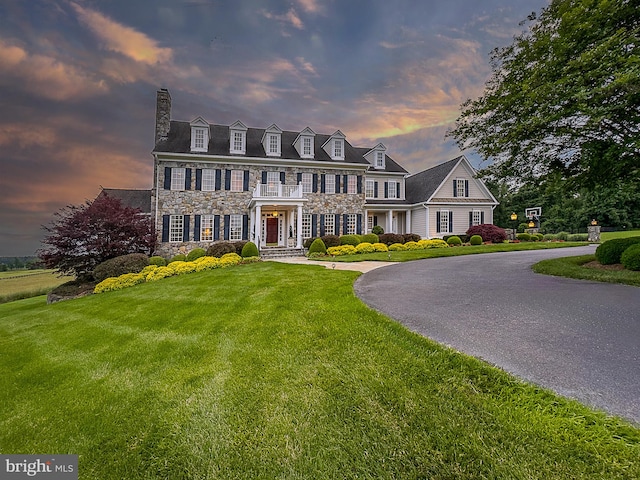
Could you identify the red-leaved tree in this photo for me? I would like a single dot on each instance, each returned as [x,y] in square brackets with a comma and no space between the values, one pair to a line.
[81,237]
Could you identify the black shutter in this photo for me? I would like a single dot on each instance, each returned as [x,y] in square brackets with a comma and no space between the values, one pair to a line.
[386,190]
[375,189]
[264,178]
[314,225]
[345,187]
[245,181]
[345,223]
[218,185]
[196,228]
[466,188]
[282,178]
[167,178]
[337,190]
[450,221]
[336,227]
[322,222]
[359,224]
[314,187]
[165,228]
[216,227]
[185,231]
[323,187]
[455,188]
[299,178]
[375,220]
[398,190]
[359,183]
[198,179]
[245,227]
[437,222]
[227,221]
[227,180]
[470,218]
[482,218]
[187,179]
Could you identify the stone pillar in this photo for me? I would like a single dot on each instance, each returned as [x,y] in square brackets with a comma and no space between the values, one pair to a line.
[594,233]
[163,114]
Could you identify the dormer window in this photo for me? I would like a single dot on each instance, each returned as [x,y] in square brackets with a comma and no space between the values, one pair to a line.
[377,156]
[271,141]
[307,150]
[199,135]
[238,138]
[304,143]
[335,146]
[379,159]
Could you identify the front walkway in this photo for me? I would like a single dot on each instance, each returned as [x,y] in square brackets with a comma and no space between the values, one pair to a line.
[363,267]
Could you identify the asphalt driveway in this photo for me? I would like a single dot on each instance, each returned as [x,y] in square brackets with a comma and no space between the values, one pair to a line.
[578,338]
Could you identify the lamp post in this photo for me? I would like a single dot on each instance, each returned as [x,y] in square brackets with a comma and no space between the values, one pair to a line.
[514,219]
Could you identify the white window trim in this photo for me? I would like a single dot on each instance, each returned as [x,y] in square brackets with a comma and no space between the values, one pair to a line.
[306,154]
[206,228]
[461,192]
[352,184]
[306,225]
[444,222]
[196,132]
[476,217]
[352,220]
[176,228]
[243,142]
[329,224]
[392,188]
[337,149]
[369,188]
[330,183]
[178,178]
[380,163]
[208,180]
[235,227]
[270,145]
[307,182]
[237,181]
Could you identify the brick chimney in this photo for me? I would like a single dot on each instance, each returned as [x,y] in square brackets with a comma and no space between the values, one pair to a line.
[163,114]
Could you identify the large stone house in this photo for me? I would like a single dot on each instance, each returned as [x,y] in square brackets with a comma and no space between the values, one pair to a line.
[276,188]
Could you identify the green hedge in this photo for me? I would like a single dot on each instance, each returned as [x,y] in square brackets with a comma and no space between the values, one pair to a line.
[610,252]
[131,263]
[630,258]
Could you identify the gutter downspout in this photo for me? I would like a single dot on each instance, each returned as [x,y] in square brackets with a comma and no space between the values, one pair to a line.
[426,208]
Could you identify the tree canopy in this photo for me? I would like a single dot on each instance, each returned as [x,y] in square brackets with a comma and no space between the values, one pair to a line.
[81,237]
[563,98]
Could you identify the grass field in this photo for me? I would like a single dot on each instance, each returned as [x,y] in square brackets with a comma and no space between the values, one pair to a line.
[604,236]
[270,371]
[572,267]
[19,284]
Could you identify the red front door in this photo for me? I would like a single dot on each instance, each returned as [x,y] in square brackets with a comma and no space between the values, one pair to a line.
[272,230]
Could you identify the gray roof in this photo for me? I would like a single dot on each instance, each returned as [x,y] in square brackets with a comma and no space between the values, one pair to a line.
[140,199]
[421,186]
[179,141]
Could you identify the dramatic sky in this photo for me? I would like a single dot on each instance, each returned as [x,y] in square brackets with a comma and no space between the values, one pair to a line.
[78,81]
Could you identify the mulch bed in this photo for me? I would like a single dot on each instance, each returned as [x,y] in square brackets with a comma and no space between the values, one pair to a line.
[598,266]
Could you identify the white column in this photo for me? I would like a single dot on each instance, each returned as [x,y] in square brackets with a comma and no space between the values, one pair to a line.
[299,233]
[407,221]
[389,228]
[258,225]
[365,222]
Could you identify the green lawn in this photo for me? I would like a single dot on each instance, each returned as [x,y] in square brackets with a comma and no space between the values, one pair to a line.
[271,371]
[410,255]
[19,284]
[572,267]
[604,236]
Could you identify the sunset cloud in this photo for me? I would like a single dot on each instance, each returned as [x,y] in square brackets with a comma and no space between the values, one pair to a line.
[290,18]
[121,38]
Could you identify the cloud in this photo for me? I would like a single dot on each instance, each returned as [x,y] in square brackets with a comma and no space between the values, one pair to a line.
[290,18]
[311,6]
[121,38]
[45,76]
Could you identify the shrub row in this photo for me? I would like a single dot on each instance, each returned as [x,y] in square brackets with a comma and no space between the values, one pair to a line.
[611,251]
[630,258]
[132,263]
[355,240]
[151,273]
[367,247]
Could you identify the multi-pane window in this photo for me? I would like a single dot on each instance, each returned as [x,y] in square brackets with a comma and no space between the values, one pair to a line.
[306,225]
[329,224]
[237,180]
[369,223]
[273,180]
[306,146]
[198,142]
[379,159]
[337,148]
[177,178]
[460,187]
[206,228]
[352,183]
[176,228]
[444,221]
[273,144]
[235,227]
[351,223]
[330,183]
[391,190]
[238,142]
[369,189]
[476,217]
[307,182]
[208,179]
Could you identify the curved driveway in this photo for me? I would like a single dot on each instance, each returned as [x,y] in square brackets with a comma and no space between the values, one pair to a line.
[578,338]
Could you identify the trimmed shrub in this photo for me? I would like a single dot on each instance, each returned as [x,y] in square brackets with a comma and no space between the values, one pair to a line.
[475,240]
[159,273]
[218,249]
[308,241]
[609,252]
[411,237]
[370,238]
[195,254]
[350,240]
[331,240]
[630,258]
[390,238]
[435,243]
[411,245]
[207,263]
[380,247]
[178,258]
[524,237]
[229,259]
[549,237]
[488,232]
[454,240]
[114,267]
[578,237]
[562,236]
[250,249]
[157,260]
[239,245]
[342,250]
[377,229]
[365,247]
[318,247]
[118,283]
[397,247]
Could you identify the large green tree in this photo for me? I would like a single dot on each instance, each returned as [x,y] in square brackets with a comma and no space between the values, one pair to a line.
[564,98]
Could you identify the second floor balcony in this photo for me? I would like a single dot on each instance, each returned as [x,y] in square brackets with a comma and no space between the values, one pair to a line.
[277,190]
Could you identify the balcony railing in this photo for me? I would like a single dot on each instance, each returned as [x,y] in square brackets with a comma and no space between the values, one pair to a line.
[277,190]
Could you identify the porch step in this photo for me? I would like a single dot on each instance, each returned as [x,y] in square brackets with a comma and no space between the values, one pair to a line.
[279,252]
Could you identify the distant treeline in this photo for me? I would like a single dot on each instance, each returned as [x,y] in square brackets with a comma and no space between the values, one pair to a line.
[20,263]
